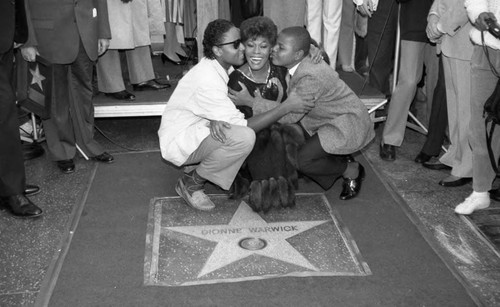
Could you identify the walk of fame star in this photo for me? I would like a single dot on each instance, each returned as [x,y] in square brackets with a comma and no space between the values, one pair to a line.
[234,243]
[248,224]
[37,77]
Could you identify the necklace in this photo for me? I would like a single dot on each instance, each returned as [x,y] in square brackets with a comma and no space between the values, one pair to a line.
[255,79]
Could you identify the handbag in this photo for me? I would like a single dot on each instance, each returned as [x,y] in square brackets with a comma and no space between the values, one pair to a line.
[491,114]
[491,111]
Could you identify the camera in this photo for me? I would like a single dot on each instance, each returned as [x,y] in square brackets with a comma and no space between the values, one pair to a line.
[493,27]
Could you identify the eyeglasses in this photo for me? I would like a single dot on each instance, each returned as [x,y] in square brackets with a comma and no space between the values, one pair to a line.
[235,43]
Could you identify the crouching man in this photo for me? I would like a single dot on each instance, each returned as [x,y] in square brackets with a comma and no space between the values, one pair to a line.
[337,126]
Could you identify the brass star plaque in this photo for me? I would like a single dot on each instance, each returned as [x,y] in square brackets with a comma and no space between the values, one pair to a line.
[234,243]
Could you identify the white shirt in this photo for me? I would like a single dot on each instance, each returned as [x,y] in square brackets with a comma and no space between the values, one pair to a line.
[474,9]
[200,96]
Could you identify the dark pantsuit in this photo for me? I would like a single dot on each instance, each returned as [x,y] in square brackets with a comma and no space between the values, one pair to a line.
[315,163]
[439,117]
[380,41]
[72,111]
[12,175]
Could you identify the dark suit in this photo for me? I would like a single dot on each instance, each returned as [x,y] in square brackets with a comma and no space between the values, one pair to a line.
[66,33]
[12,28]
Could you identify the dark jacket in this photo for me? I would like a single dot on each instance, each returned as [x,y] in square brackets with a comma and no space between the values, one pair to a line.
[57,27]
[13,27]
[413,19]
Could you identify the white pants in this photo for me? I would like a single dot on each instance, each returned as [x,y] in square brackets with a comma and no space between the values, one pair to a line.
[457,75]
[220,162]
[109,70]
[326,15]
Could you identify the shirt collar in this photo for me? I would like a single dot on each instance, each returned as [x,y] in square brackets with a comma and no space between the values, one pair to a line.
[292,70]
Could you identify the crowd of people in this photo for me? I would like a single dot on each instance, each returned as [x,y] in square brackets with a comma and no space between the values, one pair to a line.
[263,73]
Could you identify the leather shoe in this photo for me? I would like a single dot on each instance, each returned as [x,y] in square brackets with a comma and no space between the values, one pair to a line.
[122,95]
[387,152]
[150,85]
[351,187]
[495,194]
[66,166]
[31,189]
[436,166]
[20,206]
[104,158]
[455,183]
[422,157]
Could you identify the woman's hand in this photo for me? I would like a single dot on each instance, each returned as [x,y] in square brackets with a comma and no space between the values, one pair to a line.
[296,104]
[241,98]
[217,128]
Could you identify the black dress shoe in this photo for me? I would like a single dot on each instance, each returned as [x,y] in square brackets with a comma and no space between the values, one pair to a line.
[436,166]
[387,152]
[20,206]
[165,58]
[422,157]
[66,166]
[455,183]
[31,190]
[122,95]
[104,158]
[351,187]
[150,85]
[495,194]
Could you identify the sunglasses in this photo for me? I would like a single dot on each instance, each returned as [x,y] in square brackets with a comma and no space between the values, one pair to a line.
[235,43]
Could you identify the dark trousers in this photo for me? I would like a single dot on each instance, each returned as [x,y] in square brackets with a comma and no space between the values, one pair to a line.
[72,111]
[438,120]
[12,175]
[315,163]
[380,41]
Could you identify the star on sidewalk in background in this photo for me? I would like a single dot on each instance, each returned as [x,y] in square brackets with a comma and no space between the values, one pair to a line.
[37,77]
[246,224]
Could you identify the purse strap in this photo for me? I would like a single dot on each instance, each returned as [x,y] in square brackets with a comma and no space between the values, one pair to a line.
[488,144]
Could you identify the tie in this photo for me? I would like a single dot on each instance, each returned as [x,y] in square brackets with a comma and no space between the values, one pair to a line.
[287,79]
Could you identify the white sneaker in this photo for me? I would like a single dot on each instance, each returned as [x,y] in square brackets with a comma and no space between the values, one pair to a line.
[475,201]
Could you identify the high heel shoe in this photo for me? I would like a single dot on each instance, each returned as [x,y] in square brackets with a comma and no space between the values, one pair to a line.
[165,58]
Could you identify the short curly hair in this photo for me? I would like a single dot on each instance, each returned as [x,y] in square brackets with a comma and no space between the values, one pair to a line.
[259,26]
[214,35]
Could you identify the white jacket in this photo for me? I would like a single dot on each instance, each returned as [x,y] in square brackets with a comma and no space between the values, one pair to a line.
[199,97]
